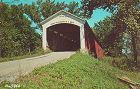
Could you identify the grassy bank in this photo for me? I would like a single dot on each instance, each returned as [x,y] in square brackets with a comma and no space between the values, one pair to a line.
[78,72]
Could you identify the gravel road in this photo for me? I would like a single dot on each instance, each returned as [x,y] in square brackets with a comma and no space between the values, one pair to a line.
[11,70]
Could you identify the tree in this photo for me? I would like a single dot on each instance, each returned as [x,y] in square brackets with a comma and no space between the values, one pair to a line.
[17,37]
[126,18]
[41,10]
[73,7]
[102,29]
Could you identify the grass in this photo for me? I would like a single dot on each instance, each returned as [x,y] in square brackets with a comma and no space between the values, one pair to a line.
[28,55]
[80,71]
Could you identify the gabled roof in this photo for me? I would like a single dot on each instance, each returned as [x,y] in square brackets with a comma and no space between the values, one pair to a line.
[59,13]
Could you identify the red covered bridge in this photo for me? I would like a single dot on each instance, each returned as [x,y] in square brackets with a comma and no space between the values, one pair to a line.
[64,31]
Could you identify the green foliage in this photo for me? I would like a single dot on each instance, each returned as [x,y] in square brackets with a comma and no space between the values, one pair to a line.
[126,14]
[103,28]
[126,19]
[79,71]
[15,43]
[102,31]
[36,52]
[17,37]
[43,9]
[74,8]
[121,62]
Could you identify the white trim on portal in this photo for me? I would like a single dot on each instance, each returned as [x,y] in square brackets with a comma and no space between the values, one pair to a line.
[62,12]
[59,18]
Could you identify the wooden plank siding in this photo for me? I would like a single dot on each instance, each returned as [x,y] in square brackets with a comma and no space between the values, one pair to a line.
[138,47]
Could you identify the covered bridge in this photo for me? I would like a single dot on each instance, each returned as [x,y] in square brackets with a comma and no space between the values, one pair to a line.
[64,31]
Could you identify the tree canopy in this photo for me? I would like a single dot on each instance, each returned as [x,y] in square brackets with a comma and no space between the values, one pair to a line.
[126,19]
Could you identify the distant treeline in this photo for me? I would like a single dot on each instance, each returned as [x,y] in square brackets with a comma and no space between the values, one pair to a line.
[17,37]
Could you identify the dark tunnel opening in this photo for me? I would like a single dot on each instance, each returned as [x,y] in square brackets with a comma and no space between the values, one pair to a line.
[63,37]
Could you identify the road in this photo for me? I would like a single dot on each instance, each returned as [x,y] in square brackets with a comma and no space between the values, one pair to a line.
[13,69]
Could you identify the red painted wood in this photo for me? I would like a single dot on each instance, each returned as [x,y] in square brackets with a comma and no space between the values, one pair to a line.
[92,43]
[99,50]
